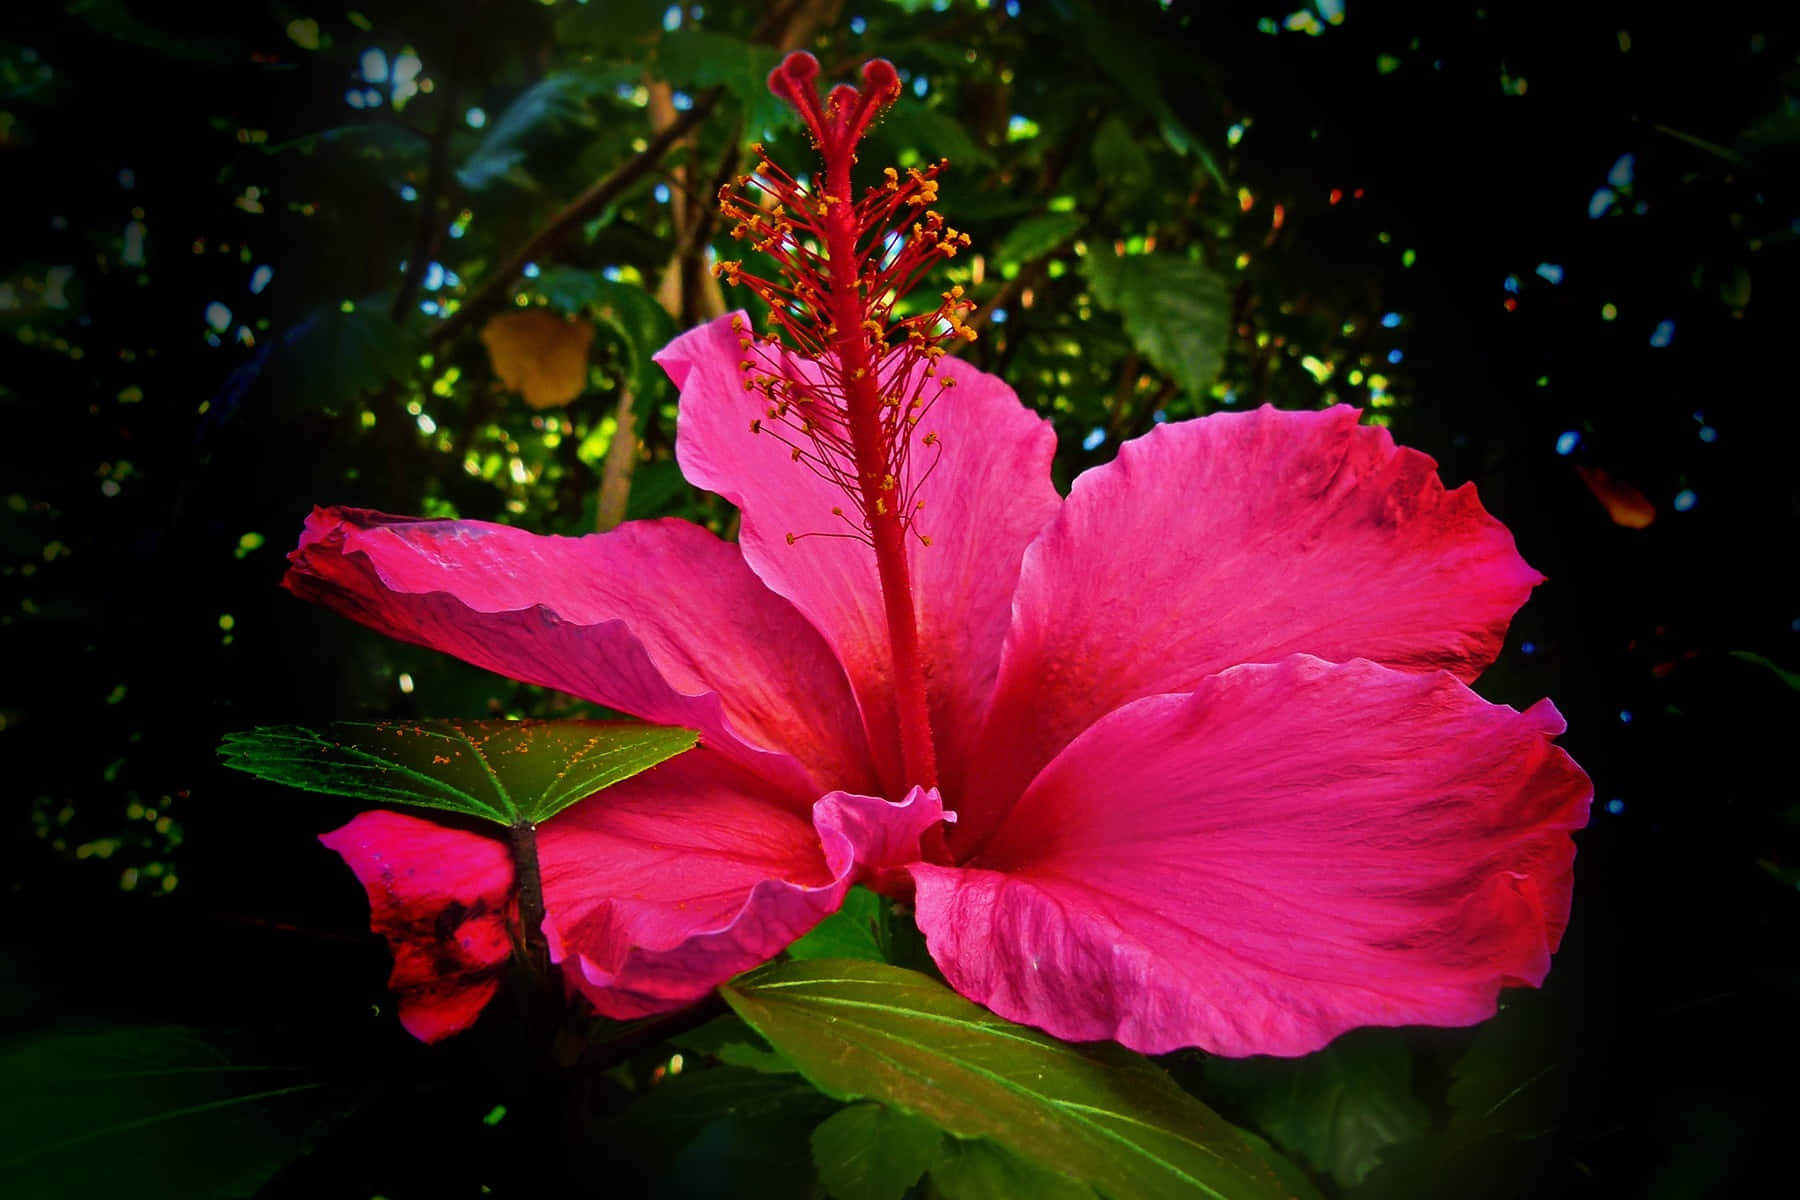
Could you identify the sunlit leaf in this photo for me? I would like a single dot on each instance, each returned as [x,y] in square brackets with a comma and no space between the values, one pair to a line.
[1097,1113]
[1623,502]
[871,1152]
[1035,237]
[1176,311]
[153,1111]
[539,355]
[1339,1108]
[507,772]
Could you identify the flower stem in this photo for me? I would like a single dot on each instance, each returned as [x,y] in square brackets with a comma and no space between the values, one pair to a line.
[531,895]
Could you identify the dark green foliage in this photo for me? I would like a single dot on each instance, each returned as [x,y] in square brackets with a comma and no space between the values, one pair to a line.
[1179,209]
[1097,1113]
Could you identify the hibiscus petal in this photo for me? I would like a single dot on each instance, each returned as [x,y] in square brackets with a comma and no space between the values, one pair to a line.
[1238,538]
[659,619]
[1285,853]
[443,900]
[660,888]
[986,498]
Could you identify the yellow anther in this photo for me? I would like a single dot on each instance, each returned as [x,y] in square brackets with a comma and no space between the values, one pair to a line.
[794,454]
[859,372]
[756,425]
[931,439]
[880,506]
[791,539]
[925,538]
[888,483]
[744,343]
[836,511]
[737,322]
[947,380]
[893,178]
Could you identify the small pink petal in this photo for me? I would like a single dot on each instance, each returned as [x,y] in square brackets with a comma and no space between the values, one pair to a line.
[659,619]
[984,501]
[443,899]
[661,887]
[1239,538]
[1286,853]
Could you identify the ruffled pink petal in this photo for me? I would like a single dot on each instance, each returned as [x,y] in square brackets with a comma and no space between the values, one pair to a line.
[659,619]
[661,887]
[985,499]
[1239,538]
[443,899]
[1287,852]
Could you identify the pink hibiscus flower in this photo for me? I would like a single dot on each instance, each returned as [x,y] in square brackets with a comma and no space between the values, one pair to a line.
[1188,758]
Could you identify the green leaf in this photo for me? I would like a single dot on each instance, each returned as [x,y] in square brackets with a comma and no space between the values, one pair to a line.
[1791,678]
[508,772]
[704,59]
[1035,237]
[1176,311]
[720,1132]
[1097,1113]
[935,134]
[549,105]
[643,325]
[327,360]
[1339,1108]
[977,1169]
[871,1152]
[115,19]
[1122,163]
[150,1112]
[734,1043]
[857,930]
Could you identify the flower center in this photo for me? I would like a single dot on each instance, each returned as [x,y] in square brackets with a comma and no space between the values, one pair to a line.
[846,383]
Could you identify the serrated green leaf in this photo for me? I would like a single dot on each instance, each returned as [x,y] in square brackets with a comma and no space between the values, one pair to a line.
[1035,237]
[155,1111]
[508,772]
[871,1152]
[1339,1108]
[1176,311]
[977,1169]
[1097,1112]
[858,929]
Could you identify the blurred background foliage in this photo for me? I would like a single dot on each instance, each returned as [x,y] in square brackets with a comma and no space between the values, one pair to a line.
[416,257]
